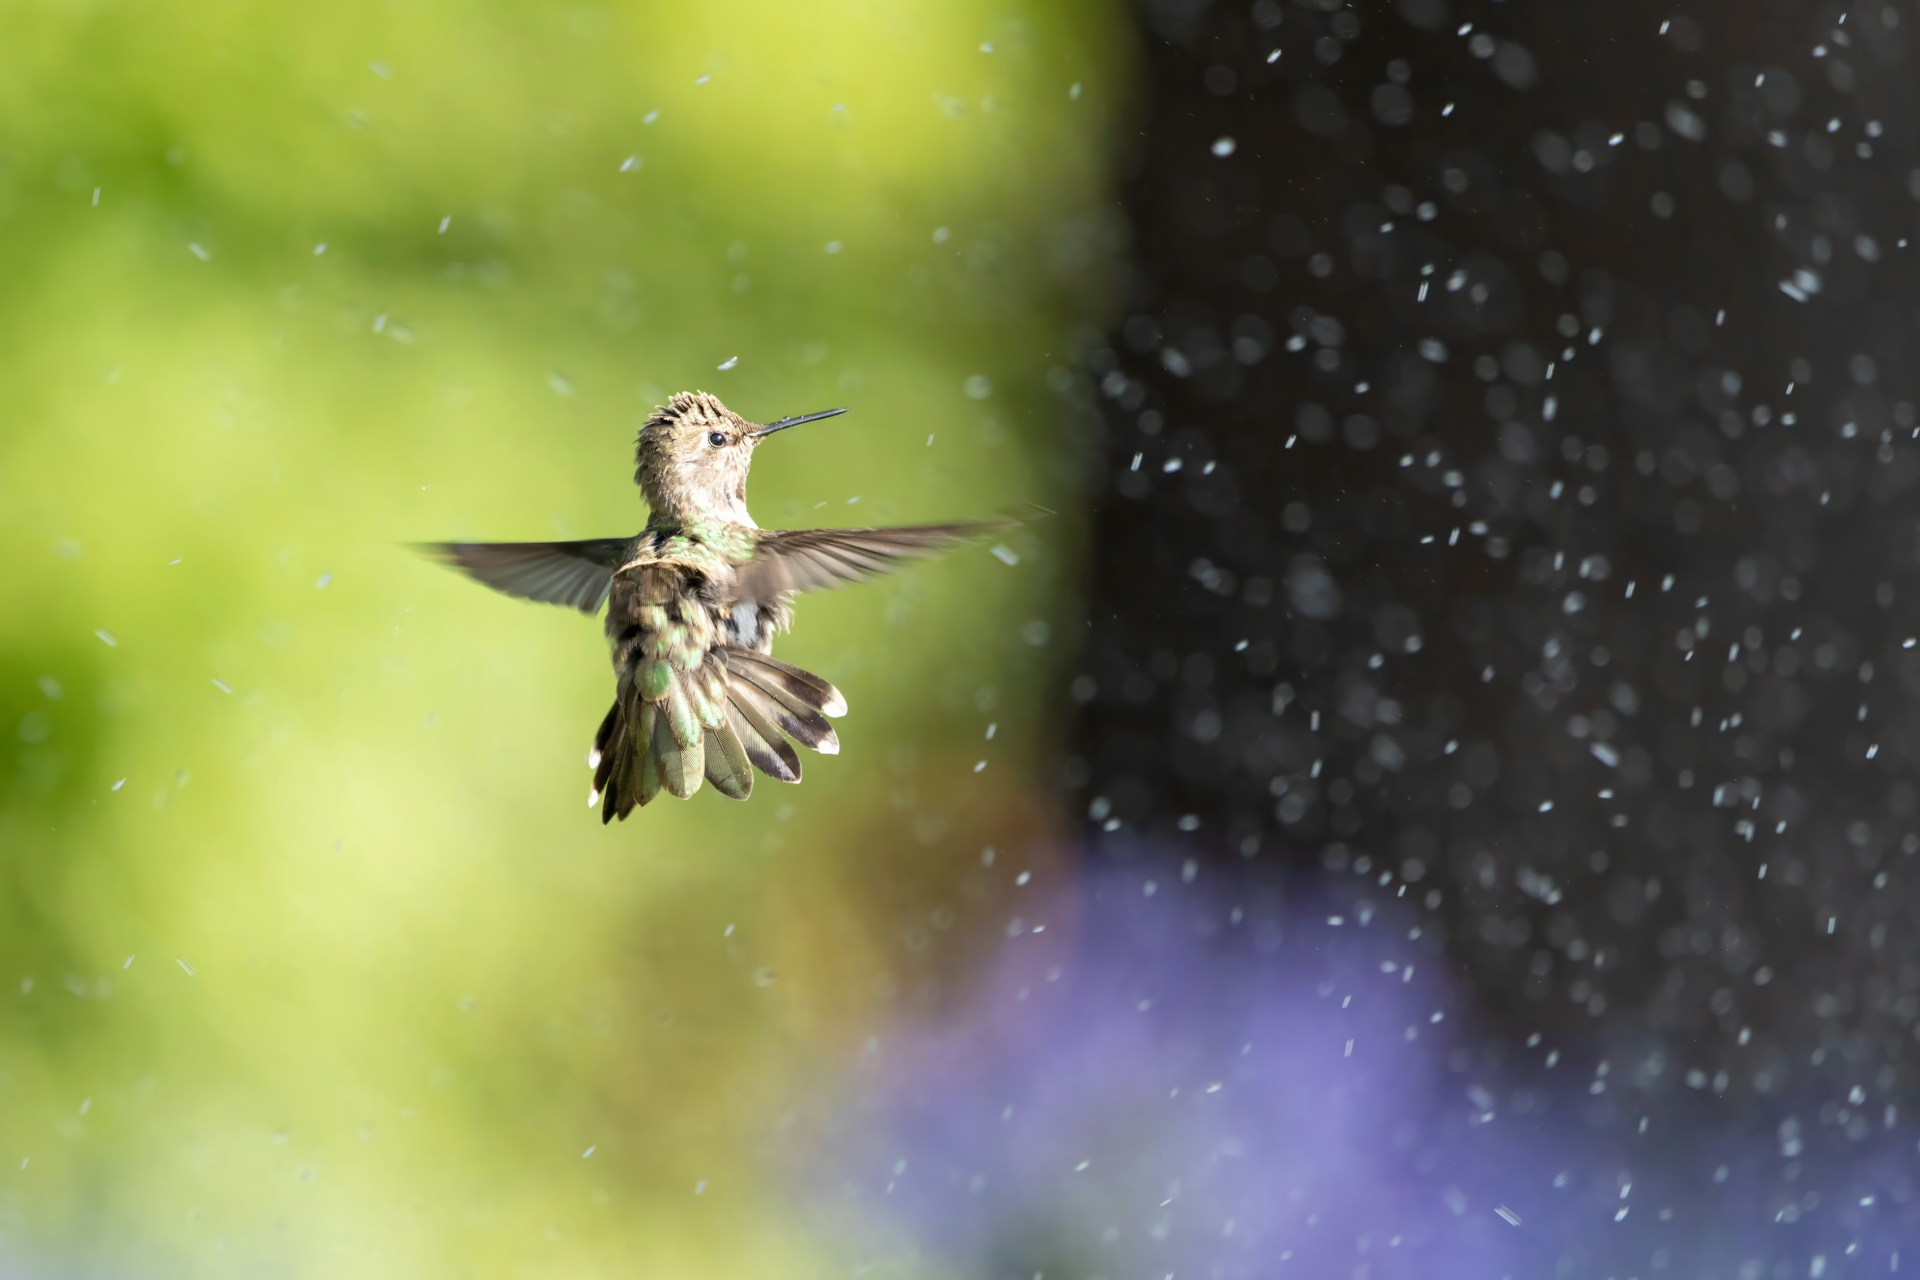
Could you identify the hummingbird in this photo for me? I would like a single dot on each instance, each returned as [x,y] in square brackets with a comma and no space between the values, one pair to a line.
[694,601]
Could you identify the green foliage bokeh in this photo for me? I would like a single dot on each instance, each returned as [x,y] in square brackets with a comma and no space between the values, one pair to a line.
[312,961]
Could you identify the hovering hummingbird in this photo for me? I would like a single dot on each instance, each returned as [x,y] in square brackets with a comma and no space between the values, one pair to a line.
[696,598]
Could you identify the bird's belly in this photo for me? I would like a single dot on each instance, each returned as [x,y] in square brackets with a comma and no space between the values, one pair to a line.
[752,624]
[744,624]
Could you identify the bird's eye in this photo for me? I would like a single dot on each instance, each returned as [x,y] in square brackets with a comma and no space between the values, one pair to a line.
[716,438]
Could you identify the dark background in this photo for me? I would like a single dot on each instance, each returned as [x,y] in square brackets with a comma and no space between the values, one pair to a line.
[1577,597]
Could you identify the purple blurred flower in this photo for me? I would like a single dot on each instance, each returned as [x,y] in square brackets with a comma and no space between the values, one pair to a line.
[1162,1081]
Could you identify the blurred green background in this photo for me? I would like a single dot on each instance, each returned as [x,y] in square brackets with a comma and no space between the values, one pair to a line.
[312,960]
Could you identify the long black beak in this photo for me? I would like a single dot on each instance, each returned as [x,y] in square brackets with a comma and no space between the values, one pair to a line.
[784,423]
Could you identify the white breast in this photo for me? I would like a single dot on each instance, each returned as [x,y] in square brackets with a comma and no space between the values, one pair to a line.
[745,620]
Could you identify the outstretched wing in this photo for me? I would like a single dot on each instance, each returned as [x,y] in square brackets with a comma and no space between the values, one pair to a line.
[787,562]
[576,574]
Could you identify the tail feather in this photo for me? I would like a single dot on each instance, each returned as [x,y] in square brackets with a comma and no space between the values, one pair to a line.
[809,689]
[681,717]
[647,718]
[612,759]
[727,765]
[600,760]
[709,692]
[728,768]
[681,765]
[716,723]
[782,701]
[766,746]
[798,720]
[624,772]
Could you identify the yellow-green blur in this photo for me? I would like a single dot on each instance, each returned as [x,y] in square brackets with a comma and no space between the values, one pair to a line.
[313,962]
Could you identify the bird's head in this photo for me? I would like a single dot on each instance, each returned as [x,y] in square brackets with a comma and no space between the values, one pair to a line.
[693,454]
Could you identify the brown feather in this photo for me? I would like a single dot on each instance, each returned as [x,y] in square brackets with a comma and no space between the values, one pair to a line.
[789,561]
[613,747]
[795,717]
[765,745]
[604,740]
[805,685]
[576,574]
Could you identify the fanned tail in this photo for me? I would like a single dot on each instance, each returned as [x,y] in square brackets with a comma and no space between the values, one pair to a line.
[718,723]
[795,702]
[770,701]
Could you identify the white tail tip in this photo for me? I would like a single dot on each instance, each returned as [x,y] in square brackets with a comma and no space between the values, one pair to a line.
[593,798]
[593,758]
[835,705]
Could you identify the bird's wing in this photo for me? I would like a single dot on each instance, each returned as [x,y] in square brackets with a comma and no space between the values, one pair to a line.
[576,574]
[787,562]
